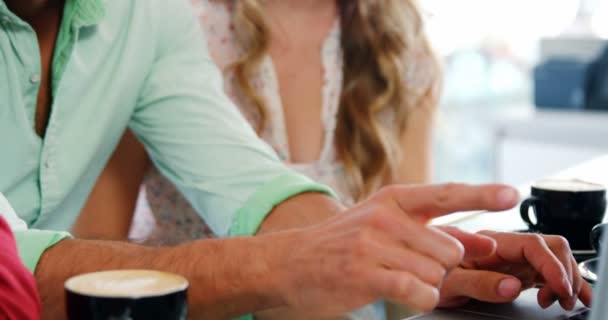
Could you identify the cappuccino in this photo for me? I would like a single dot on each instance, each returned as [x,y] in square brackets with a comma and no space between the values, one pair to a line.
[127,283]
[127,295]
[568,185]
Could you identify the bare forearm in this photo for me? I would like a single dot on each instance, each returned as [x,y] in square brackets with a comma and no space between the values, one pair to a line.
[227,277]
[298,212]
[301,211]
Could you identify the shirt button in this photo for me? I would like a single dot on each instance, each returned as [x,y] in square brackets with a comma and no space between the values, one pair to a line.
[35,78]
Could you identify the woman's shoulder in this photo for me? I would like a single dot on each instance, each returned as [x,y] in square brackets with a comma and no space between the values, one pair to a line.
[423,71]
[216,20]
[212,12]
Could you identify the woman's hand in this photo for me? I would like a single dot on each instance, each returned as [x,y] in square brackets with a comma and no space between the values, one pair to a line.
[519,262]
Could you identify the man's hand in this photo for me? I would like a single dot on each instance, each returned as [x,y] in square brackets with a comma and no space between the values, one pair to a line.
[519,262]
[378,249]
[381,248]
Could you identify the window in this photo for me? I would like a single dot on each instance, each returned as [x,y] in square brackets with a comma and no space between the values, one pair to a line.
[489,48]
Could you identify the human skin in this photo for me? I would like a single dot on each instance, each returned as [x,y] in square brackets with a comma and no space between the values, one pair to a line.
[382,243]
[381,248]
[298,30]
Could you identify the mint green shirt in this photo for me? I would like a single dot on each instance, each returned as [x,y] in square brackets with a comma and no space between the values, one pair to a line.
[141,65]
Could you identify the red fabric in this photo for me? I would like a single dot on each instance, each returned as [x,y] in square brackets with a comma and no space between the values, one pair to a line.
[18,296]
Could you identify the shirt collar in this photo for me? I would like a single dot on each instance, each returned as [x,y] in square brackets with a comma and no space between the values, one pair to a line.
[86,12]
[82,13]
[5,14]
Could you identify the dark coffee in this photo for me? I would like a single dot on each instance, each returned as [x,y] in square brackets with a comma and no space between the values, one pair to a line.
[127,295]
[570,208]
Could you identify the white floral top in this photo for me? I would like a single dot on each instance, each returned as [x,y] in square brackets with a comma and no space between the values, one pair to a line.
[216,18]
[170,209]
[167,217]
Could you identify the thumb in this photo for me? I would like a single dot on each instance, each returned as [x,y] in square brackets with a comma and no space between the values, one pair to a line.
[487,286]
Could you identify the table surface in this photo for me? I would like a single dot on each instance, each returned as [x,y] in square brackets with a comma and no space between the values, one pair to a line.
[595,171]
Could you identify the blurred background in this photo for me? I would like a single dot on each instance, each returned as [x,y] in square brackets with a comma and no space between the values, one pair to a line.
[516,104]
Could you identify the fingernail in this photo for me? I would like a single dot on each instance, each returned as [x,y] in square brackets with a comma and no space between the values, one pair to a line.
[509,288]
[569,286]
[573,301]
[507,197]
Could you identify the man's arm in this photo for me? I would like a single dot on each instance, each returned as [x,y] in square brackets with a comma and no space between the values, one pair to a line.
[198,139]
[227,277]
[323,270]
[299,212]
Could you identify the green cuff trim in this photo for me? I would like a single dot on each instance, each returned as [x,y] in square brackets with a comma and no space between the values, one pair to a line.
[249,218]
[32,244]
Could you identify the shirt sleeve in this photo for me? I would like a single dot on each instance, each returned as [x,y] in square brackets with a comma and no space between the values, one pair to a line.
[199,140]
[31,243]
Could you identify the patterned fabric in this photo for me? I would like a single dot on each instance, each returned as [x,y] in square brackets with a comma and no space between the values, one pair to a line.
[175,219]
[216,19]
[165,217]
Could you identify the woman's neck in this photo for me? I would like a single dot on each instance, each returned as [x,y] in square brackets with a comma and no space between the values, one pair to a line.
[300,10]
[300,5]
[291,20]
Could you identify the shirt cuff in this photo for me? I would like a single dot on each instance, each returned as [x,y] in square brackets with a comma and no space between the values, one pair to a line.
[249,218]
[32,244]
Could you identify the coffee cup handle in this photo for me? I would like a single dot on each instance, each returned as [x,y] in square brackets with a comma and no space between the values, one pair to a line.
[524,210]
[596,235]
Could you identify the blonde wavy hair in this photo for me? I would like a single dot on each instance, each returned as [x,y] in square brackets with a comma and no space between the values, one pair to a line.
[382,41]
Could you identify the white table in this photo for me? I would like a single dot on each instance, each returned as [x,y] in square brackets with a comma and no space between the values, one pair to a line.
[595,171]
